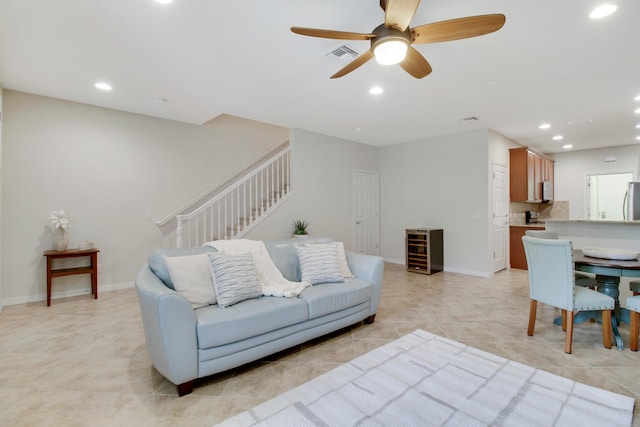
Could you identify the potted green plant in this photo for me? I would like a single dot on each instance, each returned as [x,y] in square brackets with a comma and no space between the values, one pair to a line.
[300,227]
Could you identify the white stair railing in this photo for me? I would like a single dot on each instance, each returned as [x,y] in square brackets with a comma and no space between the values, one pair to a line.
[241,206]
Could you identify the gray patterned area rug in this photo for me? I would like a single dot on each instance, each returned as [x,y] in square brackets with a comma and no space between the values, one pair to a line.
[423,379]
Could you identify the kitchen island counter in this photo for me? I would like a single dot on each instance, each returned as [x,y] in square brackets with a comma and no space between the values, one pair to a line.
[604,234]
[590,221]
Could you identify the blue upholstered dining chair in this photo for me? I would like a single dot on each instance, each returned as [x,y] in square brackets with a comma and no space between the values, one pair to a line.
[633,305]
[551,282]
[585,280]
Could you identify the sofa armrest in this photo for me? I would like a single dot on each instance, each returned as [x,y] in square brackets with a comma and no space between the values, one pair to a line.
[169,324]
[371,269]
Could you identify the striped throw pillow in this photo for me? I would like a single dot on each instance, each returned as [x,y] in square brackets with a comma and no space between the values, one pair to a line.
[234,277]
[341,257]
[318,264]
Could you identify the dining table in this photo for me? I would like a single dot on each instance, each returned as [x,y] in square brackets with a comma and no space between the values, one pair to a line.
[608,273]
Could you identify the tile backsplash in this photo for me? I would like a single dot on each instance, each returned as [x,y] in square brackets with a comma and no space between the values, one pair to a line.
[555,210]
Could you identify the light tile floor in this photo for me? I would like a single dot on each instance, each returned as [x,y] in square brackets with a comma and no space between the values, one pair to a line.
[83,362]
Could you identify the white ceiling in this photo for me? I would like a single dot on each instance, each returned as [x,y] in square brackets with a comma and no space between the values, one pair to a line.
[550,62]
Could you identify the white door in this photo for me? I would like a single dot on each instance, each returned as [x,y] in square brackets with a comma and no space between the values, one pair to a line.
[365,212]
[500,217]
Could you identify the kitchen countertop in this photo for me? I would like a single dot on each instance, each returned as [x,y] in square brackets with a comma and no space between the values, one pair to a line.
[598,233]
[593,221]
[535,225]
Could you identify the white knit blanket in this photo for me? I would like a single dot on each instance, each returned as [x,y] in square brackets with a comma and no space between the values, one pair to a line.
[272,280]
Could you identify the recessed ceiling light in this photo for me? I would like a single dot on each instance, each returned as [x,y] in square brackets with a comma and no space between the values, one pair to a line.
[602,11]
[637,98]
[638,138]
[638,126]
[544,126]
[103,86]
[566,147]
[376,90]
[637,111]
[558,138]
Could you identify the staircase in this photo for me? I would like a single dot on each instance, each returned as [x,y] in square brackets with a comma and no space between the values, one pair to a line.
[239,204]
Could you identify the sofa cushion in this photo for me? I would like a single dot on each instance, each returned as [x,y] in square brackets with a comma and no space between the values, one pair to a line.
[284,255]
[319,263]
[158,265]
[219,326]
[330,297]
[234,277]
[191,277]
[341,255]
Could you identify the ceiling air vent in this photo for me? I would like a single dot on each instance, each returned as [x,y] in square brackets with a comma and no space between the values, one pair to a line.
[580,121]
[469,119]
[342,53]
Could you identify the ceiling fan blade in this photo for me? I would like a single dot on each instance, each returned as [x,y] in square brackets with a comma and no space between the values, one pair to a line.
[398,13]
[415,64]
[456,29]
[360,60]
[331,34]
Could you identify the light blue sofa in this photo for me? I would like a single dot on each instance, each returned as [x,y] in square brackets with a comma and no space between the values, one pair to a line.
[186,344]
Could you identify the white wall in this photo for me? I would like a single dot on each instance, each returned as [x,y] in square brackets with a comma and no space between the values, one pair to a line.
[1,238]
[323,185]
[572,167]
[439,183]
[109,171]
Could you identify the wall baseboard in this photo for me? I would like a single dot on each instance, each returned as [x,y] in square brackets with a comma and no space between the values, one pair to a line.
[447,269]
[65,294]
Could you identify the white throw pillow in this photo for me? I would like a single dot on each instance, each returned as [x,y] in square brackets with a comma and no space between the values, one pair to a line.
[191,277]
[234,277]
[319,264]
[342,262]
[341,258]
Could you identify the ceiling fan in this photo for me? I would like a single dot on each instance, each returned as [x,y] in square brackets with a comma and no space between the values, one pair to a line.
[391,41]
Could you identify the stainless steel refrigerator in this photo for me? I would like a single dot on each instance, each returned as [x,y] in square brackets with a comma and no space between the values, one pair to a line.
[631,204]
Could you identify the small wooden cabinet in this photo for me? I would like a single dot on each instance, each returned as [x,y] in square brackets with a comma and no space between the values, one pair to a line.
[528,169]
[517,257]
[424,250]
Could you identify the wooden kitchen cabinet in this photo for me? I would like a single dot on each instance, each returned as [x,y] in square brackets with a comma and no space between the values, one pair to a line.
[517,257]
[527,170]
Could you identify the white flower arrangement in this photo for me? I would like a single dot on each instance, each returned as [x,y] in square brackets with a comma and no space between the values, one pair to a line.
[59,220]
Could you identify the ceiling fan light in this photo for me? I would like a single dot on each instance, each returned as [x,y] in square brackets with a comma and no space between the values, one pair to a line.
[391,52]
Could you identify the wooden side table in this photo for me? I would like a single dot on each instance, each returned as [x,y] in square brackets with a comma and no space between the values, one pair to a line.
[72,253]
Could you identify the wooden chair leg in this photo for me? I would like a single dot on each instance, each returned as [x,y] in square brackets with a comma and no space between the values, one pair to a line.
[533,307]
[606,328]
[569,325]
[564,320]
[634,330]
